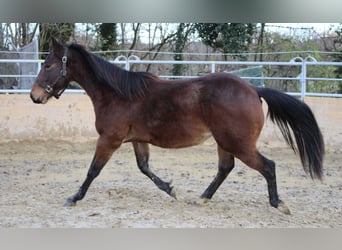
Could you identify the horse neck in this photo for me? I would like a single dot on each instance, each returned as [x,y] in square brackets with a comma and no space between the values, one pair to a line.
[91,85]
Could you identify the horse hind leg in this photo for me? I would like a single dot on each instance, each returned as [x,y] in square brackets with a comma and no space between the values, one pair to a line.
[225,166]
[267,169]
[141,151]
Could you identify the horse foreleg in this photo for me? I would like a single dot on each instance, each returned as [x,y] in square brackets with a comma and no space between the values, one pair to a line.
[225,165]
[104,150]
[94,170]
[142,153]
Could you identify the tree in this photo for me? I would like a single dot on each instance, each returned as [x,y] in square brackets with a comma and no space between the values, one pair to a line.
[338,56]
[15,35]
[260,45]
[181,38]
[108,37]
[233,38]
[159,37]
[1,37]
[61,31]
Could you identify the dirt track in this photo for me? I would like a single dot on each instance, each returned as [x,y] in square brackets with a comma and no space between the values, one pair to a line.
[36,177]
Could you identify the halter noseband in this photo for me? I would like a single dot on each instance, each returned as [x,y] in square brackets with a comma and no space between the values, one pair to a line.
[49,87]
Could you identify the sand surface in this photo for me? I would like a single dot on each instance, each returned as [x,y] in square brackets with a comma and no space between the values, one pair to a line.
[37,176]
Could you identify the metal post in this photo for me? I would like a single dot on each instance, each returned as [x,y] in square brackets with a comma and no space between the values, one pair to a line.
[122,58]
[306,59]
[301,76]
[303,80]
[213,67]
[131,58]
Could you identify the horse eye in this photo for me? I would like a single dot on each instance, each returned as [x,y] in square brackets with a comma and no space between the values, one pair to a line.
[47,66]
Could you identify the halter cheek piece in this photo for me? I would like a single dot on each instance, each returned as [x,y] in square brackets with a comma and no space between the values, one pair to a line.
[49,87]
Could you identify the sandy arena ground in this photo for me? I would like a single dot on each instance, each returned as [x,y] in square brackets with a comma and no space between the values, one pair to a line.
[37,177]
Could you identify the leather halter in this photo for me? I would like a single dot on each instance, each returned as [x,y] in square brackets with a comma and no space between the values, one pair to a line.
[49,87]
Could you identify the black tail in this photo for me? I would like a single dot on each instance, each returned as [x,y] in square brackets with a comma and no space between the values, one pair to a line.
[286,111]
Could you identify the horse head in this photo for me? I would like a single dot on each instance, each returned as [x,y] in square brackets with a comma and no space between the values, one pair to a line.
[52,79]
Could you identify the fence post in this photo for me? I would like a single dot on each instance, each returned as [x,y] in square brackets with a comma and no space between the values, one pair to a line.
[131,58]
[301,76]
[213,67]
[303,80]
[122,58]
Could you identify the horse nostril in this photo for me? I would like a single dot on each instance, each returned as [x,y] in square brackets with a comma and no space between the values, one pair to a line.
[39,100]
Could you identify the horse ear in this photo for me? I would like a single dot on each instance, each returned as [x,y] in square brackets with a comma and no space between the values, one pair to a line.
[56,46]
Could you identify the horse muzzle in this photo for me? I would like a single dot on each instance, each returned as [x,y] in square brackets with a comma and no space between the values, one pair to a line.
[36,100]
[39,96]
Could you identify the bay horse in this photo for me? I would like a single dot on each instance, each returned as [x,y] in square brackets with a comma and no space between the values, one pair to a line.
[141,108]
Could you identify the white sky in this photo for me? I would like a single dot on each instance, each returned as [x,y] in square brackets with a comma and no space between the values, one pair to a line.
[319,27]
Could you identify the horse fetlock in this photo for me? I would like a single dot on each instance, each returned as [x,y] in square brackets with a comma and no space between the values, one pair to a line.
[170,190]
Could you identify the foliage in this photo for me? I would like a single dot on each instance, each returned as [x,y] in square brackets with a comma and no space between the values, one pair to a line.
[283,48]
[232,38]
[338,56]
[180,41]
[61,31]
[108,37]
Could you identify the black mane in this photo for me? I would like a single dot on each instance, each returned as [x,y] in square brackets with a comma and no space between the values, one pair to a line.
[126,84]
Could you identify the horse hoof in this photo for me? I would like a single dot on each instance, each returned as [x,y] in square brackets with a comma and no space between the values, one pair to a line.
[283,208]
[173,193]
[205,200]
[69,203]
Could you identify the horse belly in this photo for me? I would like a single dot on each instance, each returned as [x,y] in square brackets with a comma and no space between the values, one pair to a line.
[172,135]
[179,139]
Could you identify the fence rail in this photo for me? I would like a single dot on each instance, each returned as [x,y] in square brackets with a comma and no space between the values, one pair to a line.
[302,63]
